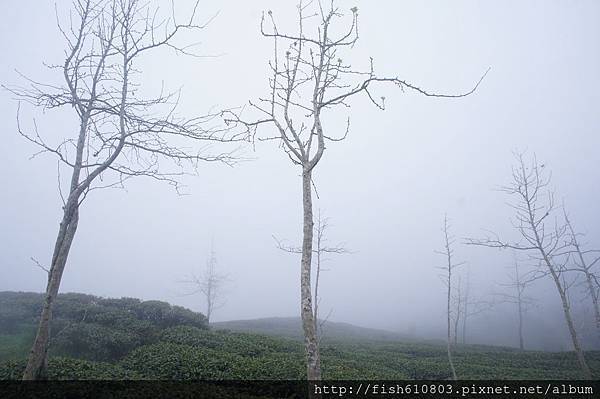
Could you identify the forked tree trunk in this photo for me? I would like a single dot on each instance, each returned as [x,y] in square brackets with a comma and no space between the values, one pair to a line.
[313,357]
[37,362]
[587,374]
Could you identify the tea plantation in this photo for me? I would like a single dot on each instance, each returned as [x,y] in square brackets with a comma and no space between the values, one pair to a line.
[97,338]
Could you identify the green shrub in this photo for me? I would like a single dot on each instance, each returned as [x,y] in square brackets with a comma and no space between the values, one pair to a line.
[94,342]
[164,315]
[68,369]
[179,362]
[239,343]
[167,360]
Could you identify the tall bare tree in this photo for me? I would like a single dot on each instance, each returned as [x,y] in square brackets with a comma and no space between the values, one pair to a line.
[451,265]
[541,238]
[308,79]
[582,265]
[209,284]
[119,134]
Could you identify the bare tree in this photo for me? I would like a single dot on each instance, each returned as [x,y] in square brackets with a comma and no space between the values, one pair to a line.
[518,285]
[209,284]
[541,238]
[308,79]
[582,265]
[468,307]
[119,135]
[449,268]
[321,249]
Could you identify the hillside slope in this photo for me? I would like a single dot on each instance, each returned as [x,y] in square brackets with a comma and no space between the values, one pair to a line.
[103,338]
[291,327]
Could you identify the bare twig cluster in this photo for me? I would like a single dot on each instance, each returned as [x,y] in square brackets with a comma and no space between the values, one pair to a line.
[120,130]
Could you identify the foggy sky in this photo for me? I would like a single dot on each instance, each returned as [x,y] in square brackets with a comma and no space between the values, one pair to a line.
[385,188]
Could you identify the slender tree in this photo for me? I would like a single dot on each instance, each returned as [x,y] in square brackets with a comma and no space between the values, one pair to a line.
[520,287]
[308,80]
[467,306]
[119,134]
[518,284]
[449,268]
[540,238]
[209,284]
[320,252]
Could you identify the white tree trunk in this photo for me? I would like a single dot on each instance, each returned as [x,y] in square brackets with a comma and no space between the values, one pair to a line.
[37,362]
[306,308]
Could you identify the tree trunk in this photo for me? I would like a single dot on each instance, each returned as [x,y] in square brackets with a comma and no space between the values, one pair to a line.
[466,309]
[448,319]
[464,328]
[594,297]
[587,374]
[456,323]
[521,342]
[37,362]
[520,304]
[588,275]
[317,276]
[567,311]
[313,358]
[209,303]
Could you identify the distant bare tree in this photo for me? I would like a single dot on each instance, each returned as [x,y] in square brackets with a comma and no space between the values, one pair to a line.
[119,135]
[321,249]
[467,307]
[209,284]
[449,268]
[308,79]
[582,265]
[518,285]
[544,241]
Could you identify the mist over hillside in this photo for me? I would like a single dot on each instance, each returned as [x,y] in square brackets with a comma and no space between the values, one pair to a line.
[341,175]
[130,339]
[292,327]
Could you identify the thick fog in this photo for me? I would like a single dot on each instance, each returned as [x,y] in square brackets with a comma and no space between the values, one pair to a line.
[385,188]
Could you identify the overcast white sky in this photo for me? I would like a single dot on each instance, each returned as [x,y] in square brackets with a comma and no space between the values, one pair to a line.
[386,188]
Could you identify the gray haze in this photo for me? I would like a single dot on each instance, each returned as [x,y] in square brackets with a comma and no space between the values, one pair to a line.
[386,188]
